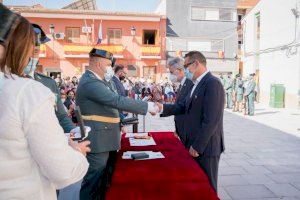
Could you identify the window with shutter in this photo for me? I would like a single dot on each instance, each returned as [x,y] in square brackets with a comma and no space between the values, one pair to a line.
[114,36]
[73,34]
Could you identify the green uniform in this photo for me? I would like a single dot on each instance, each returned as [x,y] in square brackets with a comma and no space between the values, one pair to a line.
[61,114]
[250,94]
[96,97]
[239,91]
[222,81]
[229,89]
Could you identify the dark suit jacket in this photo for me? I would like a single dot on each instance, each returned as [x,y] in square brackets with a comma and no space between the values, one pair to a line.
[179,119]
[67,103]
[203,121]
[119,86]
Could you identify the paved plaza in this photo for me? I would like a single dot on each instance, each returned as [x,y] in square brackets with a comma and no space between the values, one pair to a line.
[262,157]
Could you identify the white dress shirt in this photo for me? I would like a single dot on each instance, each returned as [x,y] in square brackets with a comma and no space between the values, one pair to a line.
[197,81]
[182,81]
[35,158]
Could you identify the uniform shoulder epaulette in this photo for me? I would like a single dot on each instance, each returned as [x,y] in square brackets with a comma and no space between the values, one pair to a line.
[43,76]
[91,75]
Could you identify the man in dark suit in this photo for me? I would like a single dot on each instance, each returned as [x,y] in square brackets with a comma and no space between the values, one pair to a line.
[117,78]
[177,74]
[203,121]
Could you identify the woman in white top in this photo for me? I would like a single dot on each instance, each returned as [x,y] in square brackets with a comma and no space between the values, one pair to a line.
[35,158]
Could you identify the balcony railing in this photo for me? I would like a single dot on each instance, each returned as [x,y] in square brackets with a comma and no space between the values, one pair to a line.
[213,55]
[79,49]
[150,50]
[42,51]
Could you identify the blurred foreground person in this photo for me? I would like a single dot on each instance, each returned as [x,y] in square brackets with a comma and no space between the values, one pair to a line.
[35,156]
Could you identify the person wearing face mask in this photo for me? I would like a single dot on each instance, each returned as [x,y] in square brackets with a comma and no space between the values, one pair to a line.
[179,75]
[62,115]
[100,104]
[35,156]
[63,97]
[203,121]
[30,72]
[117,78]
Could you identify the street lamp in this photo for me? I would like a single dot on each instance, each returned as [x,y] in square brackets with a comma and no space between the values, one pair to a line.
[51,29]
[133,31]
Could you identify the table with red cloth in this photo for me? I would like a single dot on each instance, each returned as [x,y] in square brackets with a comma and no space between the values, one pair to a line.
[177,176]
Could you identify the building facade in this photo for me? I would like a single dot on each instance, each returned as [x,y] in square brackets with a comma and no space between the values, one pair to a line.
[243,8]
[209,26]
[271,48]
[136,40]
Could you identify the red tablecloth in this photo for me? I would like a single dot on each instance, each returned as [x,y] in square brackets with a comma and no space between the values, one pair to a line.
[177,176]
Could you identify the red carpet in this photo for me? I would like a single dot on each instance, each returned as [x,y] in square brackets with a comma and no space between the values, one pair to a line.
[177,176]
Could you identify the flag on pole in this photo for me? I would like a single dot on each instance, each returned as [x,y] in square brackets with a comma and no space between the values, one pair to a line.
[100,34]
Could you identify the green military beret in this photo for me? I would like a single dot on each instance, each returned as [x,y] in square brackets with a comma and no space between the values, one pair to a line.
[101,53]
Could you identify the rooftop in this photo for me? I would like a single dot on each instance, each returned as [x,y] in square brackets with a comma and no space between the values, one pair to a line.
[40,9]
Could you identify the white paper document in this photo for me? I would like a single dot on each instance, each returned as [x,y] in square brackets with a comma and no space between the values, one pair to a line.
[141,142]
[152,155]
[131,135]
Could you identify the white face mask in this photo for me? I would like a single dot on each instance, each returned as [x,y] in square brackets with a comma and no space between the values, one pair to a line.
[31,66]
[109,73]
[173,78]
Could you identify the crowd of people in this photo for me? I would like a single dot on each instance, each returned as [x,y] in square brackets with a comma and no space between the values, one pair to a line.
[134,87]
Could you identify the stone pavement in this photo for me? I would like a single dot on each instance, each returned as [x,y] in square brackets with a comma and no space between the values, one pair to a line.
[262,157]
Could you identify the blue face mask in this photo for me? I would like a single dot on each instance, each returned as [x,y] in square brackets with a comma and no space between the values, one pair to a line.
[31,66]
[188,74]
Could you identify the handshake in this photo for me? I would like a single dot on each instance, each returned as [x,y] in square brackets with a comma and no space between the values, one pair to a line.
[154,108]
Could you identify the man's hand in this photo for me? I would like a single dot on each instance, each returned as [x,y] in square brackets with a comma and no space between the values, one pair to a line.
[193,152]
[152,108]
[176,135]
[160,106]
[72,107]
[153,113]
[123,130]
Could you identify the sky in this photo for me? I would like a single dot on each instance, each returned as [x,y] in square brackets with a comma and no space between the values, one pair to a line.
[107,5]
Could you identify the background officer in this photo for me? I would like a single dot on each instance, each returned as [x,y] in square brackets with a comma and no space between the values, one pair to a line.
[228,89]
[239,91]
[250,94]
[61,114]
